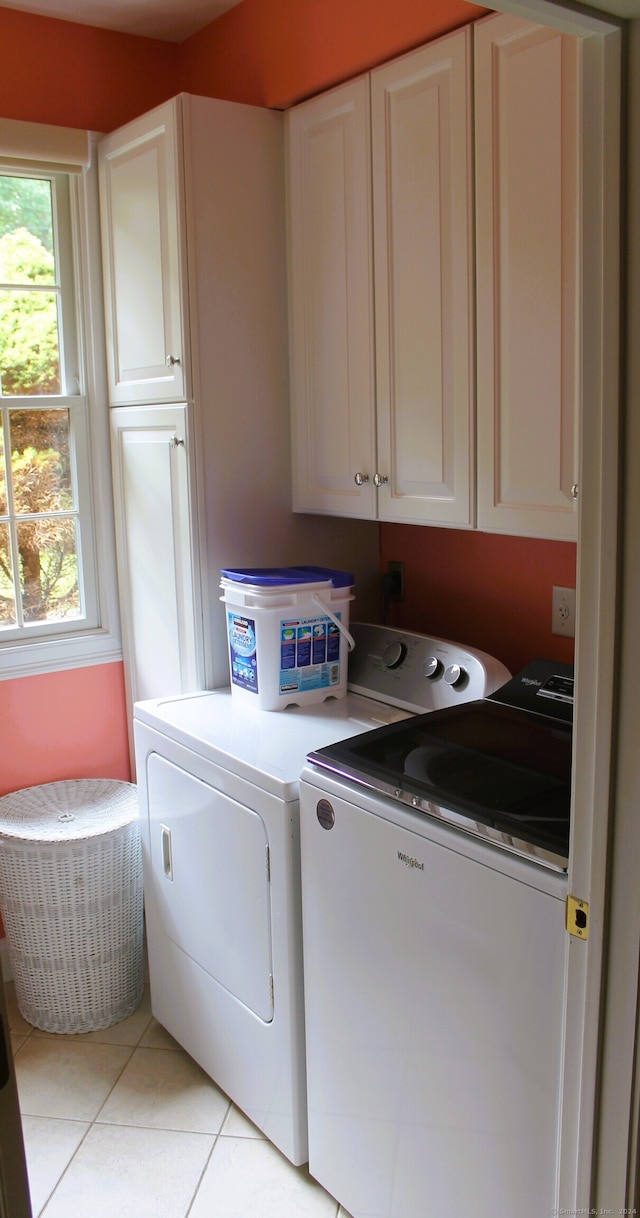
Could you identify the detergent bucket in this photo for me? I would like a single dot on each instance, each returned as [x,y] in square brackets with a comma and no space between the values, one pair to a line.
[288,631]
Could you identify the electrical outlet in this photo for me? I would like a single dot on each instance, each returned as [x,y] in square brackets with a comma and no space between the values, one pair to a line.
[563,612]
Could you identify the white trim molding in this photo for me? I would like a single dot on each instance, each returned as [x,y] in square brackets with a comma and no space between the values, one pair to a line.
[589,1042]
[59,149]
[100,643]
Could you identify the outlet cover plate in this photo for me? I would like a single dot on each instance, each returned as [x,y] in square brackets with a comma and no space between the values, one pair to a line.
[563,612]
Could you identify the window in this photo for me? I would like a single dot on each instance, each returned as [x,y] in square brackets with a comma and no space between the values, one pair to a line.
[41,568]
[52,612]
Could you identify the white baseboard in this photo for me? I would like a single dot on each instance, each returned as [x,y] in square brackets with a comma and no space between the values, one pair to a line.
[5,962]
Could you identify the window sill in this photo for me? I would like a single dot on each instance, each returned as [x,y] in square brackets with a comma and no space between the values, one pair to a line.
[80,650]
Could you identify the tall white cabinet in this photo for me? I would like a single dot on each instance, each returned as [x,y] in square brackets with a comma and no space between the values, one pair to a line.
[193,224]
[418,282]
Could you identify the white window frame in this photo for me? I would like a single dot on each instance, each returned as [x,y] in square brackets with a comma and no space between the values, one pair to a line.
[96,638]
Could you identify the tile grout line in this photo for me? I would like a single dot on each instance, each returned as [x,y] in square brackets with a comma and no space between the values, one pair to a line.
[218,1137]
[117,1080]
[205,1168]
[96,1121]
[90,1124]
[65,1168]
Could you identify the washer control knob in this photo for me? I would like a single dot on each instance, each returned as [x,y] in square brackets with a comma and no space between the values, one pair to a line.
[432,668]
[393,655]
[455,675]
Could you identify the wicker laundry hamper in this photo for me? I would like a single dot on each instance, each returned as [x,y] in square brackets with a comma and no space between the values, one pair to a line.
[71,902]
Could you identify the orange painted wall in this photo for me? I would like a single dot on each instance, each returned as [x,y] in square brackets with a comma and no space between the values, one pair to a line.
[59,725]
[72,75]
[265,52]
[275,52]
[63,725]
[490,591]
[72,724]
[272,52]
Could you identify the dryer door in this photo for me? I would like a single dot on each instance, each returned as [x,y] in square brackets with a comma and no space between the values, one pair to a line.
[210,872]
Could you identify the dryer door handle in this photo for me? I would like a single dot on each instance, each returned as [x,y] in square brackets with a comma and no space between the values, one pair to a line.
[167,854]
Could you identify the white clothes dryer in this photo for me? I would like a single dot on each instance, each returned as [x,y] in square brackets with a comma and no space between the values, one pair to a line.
[218,787]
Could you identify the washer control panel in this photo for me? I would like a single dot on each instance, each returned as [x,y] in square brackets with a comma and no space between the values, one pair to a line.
[419,672]
[544,687]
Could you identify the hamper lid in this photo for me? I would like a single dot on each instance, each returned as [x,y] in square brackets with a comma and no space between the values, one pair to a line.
[277,577]
[74,809]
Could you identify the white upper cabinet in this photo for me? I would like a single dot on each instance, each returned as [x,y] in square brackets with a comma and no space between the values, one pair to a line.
[144,268]
[423,258]
[418,286]
[527,109]
[384,435]
[331,303]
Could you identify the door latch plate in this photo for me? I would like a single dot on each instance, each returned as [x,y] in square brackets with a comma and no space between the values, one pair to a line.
[577,917]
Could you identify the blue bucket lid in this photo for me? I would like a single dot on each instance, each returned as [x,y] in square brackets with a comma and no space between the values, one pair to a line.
[278,577]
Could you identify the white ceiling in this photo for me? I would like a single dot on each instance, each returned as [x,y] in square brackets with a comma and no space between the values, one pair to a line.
[171,20]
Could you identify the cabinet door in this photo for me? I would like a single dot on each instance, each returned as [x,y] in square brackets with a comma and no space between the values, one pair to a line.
[331,303]
[154,536]
[423,243]
[527,131]
[142,232]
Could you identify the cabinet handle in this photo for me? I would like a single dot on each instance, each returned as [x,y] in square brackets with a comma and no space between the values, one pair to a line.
[167,857]
[574,491]
[175,442]
[360,479]
[380,479]
[172,360]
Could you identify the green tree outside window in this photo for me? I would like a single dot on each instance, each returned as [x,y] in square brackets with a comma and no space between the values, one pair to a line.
[38,517]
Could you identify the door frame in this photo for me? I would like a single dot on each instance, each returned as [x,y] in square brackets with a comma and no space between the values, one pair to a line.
[597,1092]
[15,1201]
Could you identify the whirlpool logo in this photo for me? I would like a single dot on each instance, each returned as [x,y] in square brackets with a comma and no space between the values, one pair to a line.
[409,861]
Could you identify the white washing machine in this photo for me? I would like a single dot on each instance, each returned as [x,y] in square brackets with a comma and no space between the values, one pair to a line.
[434,855]
[218,785]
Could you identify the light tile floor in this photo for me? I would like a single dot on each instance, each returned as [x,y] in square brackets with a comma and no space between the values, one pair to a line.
[123,1124]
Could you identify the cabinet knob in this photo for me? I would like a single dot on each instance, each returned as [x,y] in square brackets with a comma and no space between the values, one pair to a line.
[172,360]
[360,479]
[380,479]
[574,491]
[176,442]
